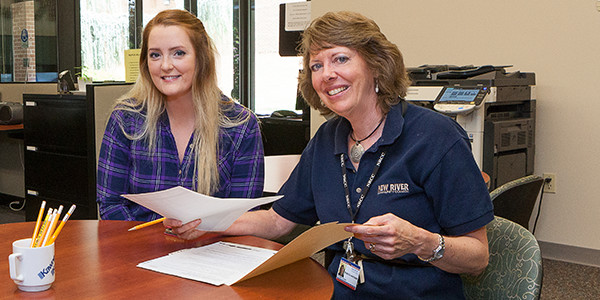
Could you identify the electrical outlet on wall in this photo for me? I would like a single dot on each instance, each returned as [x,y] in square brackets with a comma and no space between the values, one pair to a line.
[550,185]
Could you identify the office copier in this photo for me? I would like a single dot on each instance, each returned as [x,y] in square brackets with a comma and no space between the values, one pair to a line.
[495,107]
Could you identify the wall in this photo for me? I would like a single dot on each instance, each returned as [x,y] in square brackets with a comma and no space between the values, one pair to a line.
[559,41]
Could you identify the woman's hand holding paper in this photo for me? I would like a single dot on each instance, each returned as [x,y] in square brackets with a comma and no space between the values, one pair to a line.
[186,231]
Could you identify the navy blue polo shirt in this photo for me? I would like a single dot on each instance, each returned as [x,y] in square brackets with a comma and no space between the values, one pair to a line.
[428,177]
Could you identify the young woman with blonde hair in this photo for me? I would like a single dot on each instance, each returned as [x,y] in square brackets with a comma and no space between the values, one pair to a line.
[175,127]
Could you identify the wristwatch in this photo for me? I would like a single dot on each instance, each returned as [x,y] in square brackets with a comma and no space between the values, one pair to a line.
[438,253]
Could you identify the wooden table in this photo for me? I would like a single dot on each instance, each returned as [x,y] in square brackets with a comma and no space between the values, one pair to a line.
[97,259]
[11,128]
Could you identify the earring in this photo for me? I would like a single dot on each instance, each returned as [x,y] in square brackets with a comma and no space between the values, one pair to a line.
[376,87]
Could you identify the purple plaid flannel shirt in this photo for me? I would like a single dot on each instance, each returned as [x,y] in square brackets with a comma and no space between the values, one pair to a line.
[128,167]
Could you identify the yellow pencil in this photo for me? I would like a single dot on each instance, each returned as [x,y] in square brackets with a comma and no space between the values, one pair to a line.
[55,219]
[62,224]
[43,229]
[49,226]
[38,223]
[146,224]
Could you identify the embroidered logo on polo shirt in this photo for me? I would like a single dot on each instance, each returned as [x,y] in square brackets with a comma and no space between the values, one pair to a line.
[392,188]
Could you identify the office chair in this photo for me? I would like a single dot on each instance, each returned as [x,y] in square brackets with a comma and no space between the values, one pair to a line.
[515,200]
[515,265]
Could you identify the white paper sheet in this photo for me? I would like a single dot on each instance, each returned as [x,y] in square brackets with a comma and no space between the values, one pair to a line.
[218,263]
[229,263]
[217,214]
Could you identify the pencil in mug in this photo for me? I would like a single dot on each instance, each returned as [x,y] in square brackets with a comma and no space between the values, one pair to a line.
[146,224]
[38,223]
[43,229]
[49,224]
[53,223]
[62,224]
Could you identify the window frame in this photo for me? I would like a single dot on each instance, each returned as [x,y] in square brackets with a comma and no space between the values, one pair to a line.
[69,39]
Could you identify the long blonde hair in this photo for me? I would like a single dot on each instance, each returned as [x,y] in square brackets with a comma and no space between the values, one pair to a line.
[209,108]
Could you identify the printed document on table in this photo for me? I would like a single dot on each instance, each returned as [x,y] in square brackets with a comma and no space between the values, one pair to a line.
[218,263]
[217,214]
[229,263]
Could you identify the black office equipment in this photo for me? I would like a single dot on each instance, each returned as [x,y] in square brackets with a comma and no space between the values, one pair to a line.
[65,82]
[288,40]
[284,113]
[284,135]
[11,113]
[302,105]
[59,156]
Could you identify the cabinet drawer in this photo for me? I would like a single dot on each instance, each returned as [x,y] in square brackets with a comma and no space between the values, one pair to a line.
[55,124]
[82,212]
[59,176]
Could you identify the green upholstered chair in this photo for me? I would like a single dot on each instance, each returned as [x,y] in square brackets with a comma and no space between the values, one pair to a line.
[515,265]
[516,199]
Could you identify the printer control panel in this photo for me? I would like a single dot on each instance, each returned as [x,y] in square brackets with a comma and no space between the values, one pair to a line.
[459,100]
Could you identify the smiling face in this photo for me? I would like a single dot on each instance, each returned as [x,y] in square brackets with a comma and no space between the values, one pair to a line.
[171,61]
[343,81]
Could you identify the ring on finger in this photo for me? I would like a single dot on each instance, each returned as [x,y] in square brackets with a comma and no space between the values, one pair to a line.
[372,247]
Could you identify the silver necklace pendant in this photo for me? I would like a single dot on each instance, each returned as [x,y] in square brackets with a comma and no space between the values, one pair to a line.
[356,152]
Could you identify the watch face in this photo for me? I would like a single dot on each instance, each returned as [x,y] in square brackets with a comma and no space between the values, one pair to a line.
[437,252]
[440,253]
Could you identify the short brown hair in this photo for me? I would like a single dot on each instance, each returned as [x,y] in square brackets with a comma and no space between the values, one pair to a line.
[355,31]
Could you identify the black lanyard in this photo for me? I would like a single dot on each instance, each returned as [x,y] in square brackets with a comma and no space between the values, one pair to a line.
[364,191]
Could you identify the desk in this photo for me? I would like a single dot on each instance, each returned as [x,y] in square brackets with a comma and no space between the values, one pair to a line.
[97,259]
[11,128]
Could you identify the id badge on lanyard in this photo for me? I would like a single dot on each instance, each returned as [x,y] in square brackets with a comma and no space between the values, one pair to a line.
[350,270]
[350,274]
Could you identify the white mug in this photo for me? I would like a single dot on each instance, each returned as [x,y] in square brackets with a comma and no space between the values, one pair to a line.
[32,269]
